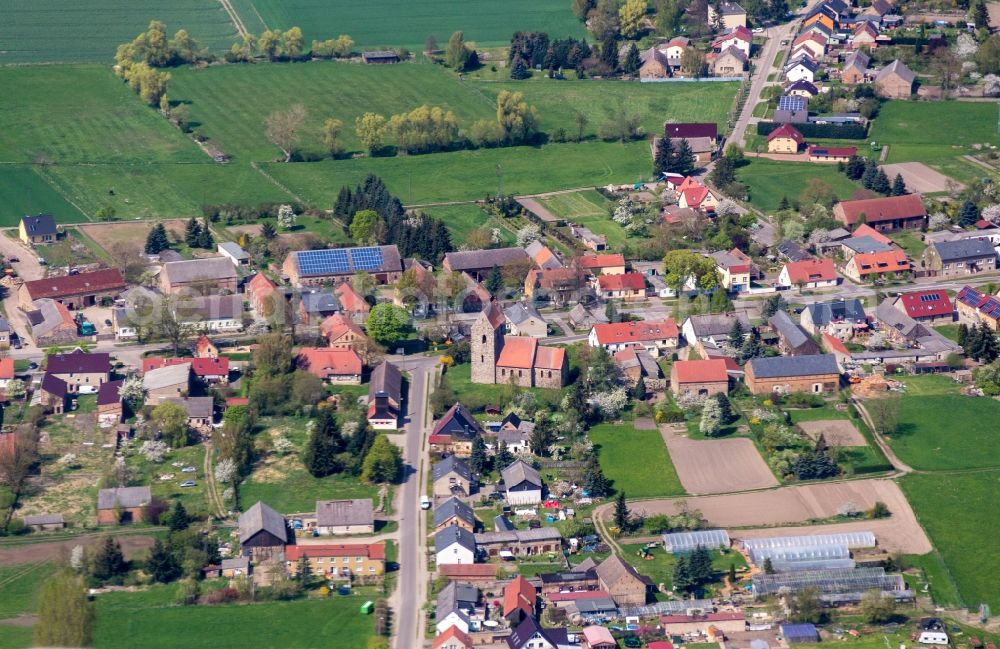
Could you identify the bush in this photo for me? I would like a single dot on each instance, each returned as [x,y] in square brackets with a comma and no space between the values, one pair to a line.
[804,400]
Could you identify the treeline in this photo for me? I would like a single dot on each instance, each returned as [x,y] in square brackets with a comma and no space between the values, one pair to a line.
[873,177]
[534,49]
[414,233]
[827,131]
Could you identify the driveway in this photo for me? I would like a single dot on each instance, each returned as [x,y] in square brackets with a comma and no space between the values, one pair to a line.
[27,269]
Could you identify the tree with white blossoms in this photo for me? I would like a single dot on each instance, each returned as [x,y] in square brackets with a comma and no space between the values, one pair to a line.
[225,471]
[991,85]
[965,47]
[938,221]
[819,235]
[282,446]
[496,236]
[286,217]
[726,208]
[528,234]
[711,418]
[689,400]
[132,390]
[991,213]
[69,461]
[154,451]
[625,211]
[229,494]
[16,388]
[77,558]
[610,403]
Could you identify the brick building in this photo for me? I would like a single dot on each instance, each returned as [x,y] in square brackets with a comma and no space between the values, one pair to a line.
[786,374]
[497,358]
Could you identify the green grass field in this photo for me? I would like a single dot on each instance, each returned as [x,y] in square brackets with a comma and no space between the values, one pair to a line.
[941,429]
[47,31]
[150,619]
[463,219]
[661,567]
[769,180]
[577,205]
[387,23]
[19,586]
[621,448]
[961,514]
[24,191]
[937,133]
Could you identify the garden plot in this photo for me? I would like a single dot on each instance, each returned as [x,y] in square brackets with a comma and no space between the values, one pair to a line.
[919,177]
[836,432]
[717,466]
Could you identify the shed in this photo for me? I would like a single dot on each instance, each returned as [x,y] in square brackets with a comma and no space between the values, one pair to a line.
[797,633]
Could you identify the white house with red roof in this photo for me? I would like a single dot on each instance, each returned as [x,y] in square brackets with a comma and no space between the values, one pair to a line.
[338,366]
[210,370]
[653,336]
[697,196]
[608,264]
[808,273]
[741,38]
[628,286]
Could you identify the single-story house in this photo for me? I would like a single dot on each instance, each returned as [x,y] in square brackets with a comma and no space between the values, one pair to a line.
[122,505]
[336,517]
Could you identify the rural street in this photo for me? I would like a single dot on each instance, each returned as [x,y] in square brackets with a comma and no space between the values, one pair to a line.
[27,269]
[411,588]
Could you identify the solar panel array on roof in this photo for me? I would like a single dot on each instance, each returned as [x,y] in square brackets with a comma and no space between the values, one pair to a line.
[930,297]
[336,261]
[791,102]
[688,541]
[367,258]
[847,580]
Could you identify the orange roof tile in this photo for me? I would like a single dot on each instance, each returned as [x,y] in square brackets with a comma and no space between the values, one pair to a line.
[350,299]
[623,282]
[600,261]
[335,326]
[710,371]
[890,261]
[324,363]
[452,633]
[835,345]
[519,594]
[260,285]
[865,230]
[811,270]
[370,550]
[6,368]
[626,332]
[550,358]
[519,352]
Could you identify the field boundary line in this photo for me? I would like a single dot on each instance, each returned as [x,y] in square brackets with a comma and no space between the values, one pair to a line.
[51,183]
[277,183]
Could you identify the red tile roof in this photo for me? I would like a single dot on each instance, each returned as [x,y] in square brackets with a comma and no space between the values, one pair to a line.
[370,550]
[350,299]
[832,151]
[260,285]
[108,279]
[452,633]
[623,282]
[337,325]
[325,363]
[877,210]
[600,261]
[550,358]
[519,594]
[710,371]
[626,332]
[469,570]
[518,351]
[927,304]
[694,195]
[890,261]
[835,345]
[201,367]
[786,131]
[811,270]
[238,401]
[6,368]
[865,230]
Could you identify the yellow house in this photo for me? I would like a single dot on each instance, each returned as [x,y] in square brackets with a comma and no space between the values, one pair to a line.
[338,559]
[39,229]
[785,139]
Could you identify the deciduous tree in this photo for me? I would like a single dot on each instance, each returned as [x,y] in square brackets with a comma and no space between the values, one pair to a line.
[371,129]
[283,128]
[66,616]
[383,462]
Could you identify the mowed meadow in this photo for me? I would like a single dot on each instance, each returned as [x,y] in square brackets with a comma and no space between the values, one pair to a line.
[100,146]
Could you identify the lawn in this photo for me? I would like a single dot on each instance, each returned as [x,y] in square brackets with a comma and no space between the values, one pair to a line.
[935,575]
[470,175]
[661,567]
[151,620]
[620,450]
[478,395]
[463,219]
[768,181]
[961,513]
[389,23]
[39,31]
[941,429]
[23,191]
[949,331]
[578,205]
[937,133]
[910,242]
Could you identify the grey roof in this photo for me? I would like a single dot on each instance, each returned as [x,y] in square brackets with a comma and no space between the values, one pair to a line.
[837,234]
[897,68]
[519,436]
[211,307]
[520,312]
[782,366]
[452,464]
[320,302]
[858,60]
[823,313]
[195,407]
[795,336]
[386,381]
[793,251]
[519,536]
[4,325]
[162,377]
[454,534]
[199,270]
[124,497]
[39,225]
[804,61]
[233,248]
[236,563]
[456,596]
[964,249]
[451,508]
[595,605]
[730,9]
[893,318]
[866,244]
[261,517]
[520,471]
[333,513]
[580,315]
[717,324]
[535,247]
[45,318]
[44,519]
[502,524]
[476,259]
[614,569]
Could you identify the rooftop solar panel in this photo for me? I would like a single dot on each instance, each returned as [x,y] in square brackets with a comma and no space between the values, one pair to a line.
[932,297]
[367,258]
[788,102]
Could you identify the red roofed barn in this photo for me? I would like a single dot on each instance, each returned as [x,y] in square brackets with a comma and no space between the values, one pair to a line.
[703,378]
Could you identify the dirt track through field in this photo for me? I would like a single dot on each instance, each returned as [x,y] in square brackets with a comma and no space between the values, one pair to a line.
[787,508]
[58,550]
[716,466]
[919,177]
[836,432]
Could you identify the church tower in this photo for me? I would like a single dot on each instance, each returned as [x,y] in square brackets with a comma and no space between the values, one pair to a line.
[487,341]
